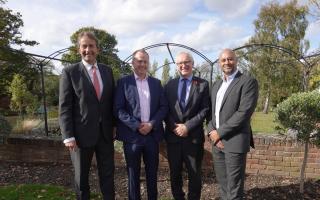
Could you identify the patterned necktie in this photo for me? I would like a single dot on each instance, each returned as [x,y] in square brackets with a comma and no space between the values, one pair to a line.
[183,95]
[96,83]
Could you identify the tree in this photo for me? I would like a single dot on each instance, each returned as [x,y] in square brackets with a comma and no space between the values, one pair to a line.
[165,72]
[107,55]
[52,89]
[301,112]
[278,73]
[154,68]
[12,62]
[21,99]
[314,6]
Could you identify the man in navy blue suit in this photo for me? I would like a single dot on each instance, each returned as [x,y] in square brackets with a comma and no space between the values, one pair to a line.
[140,107]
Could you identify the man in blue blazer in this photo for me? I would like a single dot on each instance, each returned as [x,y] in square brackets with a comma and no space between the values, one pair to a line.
[234,99]
[140,107]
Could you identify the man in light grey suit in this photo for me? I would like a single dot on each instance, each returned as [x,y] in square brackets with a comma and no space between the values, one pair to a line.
[234,99]
[85,117]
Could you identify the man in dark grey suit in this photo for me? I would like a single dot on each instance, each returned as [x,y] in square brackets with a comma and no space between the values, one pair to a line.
[234,99]
[85,116]
[188,98]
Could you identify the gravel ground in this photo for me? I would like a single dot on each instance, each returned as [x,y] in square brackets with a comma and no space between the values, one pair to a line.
[264,187]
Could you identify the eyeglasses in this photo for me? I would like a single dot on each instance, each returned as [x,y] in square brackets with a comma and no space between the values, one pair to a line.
[140,61]
[187,62]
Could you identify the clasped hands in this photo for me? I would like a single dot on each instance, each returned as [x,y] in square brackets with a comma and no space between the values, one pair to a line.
[180,130]
[145,128]
[215,138]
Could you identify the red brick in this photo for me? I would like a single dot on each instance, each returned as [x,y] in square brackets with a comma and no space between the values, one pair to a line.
[292,169]
[257,166]
[276,168]
[260,157]
[252,171]
[313,175]
[275,158]
[295,164]
[276,148]
[252,161]
[267,162]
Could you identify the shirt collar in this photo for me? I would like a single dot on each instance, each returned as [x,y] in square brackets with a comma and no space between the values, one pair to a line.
[89,66]
[189,78]
[230,77]
[136,77]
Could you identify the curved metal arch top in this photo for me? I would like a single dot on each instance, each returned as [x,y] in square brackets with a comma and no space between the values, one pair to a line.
[169,50]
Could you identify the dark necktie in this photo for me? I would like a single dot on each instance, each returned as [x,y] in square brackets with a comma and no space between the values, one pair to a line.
[183,94]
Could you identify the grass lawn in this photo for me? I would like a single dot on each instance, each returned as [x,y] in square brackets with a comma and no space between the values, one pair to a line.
[34,191]
[263,123]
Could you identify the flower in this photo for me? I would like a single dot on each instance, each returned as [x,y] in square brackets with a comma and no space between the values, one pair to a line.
[195,82]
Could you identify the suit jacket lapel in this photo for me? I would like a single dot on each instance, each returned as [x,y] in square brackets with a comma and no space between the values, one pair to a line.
[103,74]
[152,90]
[215,89]
[233,83]
[175,86]
[135,93]
[194,85]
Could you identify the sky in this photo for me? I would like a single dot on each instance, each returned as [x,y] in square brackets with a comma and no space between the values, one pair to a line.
[205,25]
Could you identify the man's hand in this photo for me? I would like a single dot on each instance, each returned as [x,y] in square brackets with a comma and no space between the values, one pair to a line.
[215,138]
[220,145]
[145,128]
[181,130]
[72,145]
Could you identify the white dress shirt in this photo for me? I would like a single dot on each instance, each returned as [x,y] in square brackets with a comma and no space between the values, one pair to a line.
[220,94]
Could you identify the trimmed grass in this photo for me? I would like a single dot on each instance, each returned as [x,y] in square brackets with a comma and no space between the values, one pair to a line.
[35,191]
[263,123]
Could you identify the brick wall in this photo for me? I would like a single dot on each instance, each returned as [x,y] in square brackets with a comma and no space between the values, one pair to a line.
[272,155]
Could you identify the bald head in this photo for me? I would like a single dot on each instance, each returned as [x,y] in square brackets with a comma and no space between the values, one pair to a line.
[228,61]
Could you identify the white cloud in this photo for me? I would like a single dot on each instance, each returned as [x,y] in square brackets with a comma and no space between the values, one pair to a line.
[209,35]
[48,23]
[137,16]
[230,8]
[313,30]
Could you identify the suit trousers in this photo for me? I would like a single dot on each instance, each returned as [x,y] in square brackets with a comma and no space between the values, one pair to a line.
[191,155]
[149,151]
[81,160]
[230,173]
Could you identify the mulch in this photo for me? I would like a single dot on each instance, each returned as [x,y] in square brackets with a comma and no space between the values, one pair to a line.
[264,187]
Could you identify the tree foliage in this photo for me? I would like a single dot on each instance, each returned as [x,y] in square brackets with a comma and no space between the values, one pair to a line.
[165,72]
[154,68]
[12,62]
[21,99]
[108,52]
[278,73]
[314,6]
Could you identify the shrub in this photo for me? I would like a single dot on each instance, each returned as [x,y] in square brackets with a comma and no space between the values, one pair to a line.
[301,112]
[5,129]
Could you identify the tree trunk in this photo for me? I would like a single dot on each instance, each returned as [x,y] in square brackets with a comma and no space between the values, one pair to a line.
[303,166]
[266,103]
